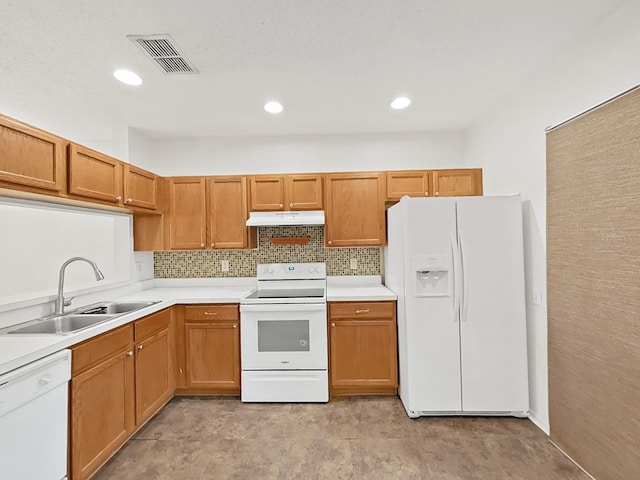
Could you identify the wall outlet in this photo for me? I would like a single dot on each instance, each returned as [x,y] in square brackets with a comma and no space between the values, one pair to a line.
[224,265]
[536,296]
[353,264]
[138,266]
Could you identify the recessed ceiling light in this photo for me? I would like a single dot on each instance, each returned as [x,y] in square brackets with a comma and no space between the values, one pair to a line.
[128,77]
[273,107]
[400,103]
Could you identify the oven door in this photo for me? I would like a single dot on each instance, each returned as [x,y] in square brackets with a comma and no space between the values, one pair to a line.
[284,336]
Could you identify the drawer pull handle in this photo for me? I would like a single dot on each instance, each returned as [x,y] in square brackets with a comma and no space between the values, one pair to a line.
[210,313]
[365,310]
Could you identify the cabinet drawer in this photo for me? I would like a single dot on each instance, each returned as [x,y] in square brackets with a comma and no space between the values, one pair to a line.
[361,310]
[212,312]
[93,351]
[151,324]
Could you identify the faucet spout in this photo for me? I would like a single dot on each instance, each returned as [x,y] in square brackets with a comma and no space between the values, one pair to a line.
[60,300]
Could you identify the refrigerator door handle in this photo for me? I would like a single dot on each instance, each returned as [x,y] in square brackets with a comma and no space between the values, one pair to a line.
[463,293]
[456,289]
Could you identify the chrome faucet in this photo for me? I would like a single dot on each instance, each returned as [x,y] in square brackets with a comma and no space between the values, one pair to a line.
[61,302]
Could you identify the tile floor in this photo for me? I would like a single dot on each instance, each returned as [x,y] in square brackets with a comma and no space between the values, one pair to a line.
[359,438]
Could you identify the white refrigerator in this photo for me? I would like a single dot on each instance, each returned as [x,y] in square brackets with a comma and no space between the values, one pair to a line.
[457,266]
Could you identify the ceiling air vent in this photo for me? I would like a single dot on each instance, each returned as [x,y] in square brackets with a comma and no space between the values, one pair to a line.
[164,52]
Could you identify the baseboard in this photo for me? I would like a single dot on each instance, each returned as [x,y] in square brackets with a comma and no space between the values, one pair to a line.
[540,423]
[572,460]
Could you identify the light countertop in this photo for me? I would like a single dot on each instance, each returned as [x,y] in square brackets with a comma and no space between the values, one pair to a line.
[18,350]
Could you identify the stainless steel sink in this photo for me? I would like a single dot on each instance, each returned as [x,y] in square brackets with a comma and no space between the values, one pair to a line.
[59,325]
[115,308]
[74,321]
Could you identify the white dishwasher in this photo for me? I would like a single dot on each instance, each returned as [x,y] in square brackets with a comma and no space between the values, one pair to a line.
[33,419]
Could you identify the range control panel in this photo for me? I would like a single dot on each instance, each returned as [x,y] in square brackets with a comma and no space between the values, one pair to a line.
[292,271]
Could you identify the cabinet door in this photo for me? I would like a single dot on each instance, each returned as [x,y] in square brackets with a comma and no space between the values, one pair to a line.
[363,353]
[153,375]
[227,204]
[267,193]
[102,412]
[213,355]
[188,213]
[94,175]
[140,187]
[355,209]
[31,157]
[457,183]
[411,183]
[303,192]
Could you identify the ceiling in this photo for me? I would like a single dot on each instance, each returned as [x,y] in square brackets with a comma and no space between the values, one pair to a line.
[335,65]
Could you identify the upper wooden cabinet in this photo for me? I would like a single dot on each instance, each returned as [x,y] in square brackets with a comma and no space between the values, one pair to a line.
[285,192]
[303,192]
[188,229]
[434,183]
[414,183]
[140,187]
[227,206]
[355,213]
[457,183]
[30,157]
[94,175]
[208,213]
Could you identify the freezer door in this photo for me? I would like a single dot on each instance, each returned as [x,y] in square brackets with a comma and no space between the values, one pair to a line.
[431,326]
[493,323]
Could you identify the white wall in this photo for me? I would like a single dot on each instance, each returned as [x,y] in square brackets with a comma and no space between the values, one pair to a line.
[318,153]
[509,144]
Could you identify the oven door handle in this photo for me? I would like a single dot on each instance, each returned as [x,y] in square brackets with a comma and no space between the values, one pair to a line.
[289,307]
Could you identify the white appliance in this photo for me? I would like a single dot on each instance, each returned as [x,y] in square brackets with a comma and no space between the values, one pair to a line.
[33,419]
[283,335]
[457,266]
[269,219]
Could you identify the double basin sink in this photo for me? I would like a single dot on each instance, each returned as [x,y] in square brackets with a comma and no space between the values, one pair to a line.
[76,320]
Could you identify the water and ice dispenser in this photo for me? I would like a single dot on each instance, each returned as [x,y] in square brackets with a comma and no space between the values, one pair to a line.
[432,275]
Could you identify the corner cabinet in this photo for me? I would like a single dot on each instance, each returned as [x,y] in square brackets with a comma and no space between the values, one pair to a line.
[355,209]
[209,350]
[31,158]
[363,348]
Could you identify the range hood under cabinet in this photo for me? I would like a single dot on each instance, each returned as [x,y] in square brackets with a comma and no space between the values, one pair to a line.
[272,219]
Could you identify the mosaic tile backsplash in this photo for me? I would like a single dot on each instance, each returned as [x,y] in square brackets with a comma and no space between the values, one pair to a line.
[243,263]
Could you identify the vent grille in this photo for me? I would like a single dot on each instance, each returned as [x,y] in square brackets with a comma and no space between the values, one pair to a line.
[164,52]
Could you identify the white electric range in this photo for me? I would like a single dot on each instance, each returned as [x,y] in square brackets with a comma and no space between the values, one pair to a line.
[283,332]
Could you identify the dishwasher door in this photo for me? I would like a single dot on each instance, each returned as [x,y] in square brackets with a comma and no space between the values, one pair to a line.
[34,418]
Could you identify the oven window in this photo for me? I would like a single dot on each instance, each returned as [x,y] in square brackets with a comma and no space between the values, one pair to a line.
[283,336]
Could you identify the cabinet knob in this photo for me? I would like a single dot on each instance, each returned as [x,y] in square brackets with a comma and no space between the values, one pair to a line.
[281,205]
[140,347]
[437,193]
[202,245]
[119,197]
[213,244]
[333,324]
[291,204]
[235,325]
[426,194]
[329,242]
[130,353]
[129,200]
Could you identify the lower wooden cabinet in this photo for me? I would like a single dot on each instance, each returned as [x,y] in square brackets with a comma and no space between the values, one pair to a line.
[210,361]
[119,380]
[363,348]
